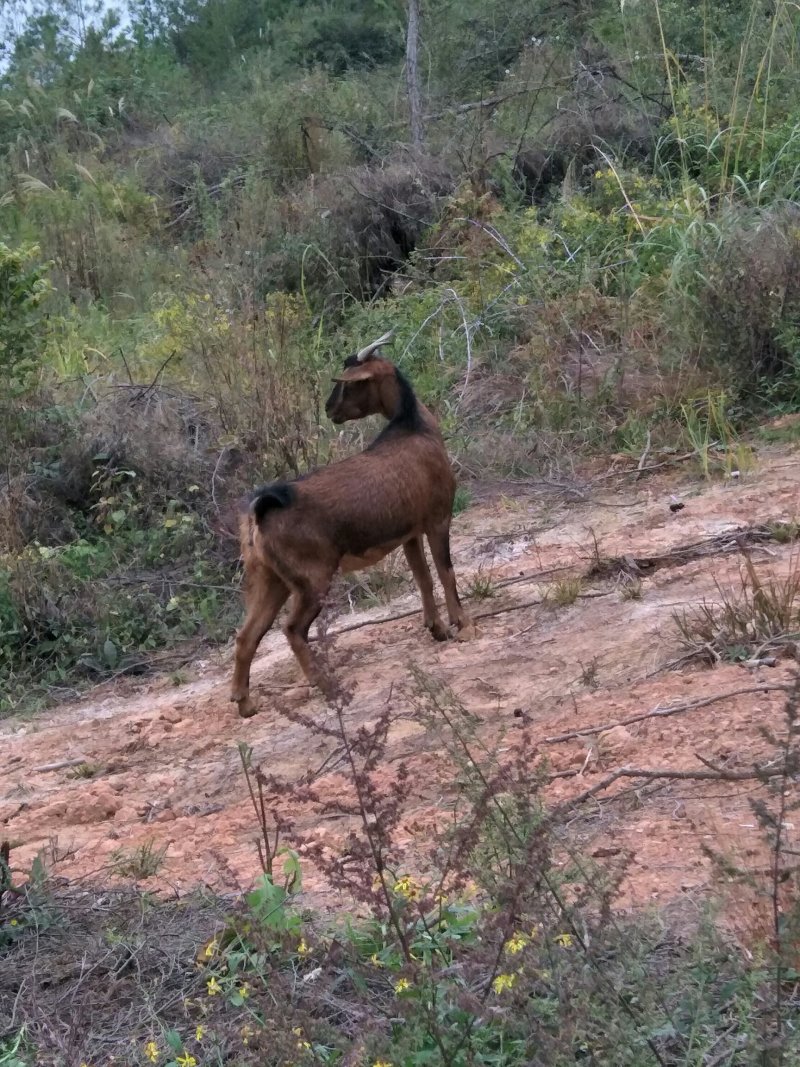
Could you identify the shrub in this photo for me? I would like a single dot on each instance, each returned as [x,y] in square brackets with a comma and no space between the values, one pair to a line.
[740,280]
[23,285]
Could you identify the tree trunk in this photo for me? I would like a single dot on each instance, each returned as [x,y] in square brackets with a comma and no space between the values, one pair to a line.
[412,75]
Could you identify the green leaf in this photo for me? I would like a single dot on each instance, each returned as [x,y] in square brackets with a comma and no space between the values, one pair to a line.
[173,1039]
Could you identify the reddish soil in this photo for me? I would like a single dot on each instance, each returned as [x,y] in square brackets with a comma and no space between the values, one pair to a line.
[167,764]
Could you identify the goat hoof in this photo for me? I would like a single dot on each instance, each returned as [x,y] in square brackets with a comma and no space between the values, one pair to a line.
[468,632]
[438,631]
[247,708]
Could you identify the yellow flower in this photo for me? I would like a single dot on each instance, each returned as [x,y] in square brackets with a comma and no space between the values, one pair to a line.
[503,982]
[565,940]
[247,1033]
[297,1031]
[151,1051]
[212,946]
[213,987]
[14,922]
[375,961]
[408,888]
[516,943]
[186,1060]
[244,990]
[304,1046]
[381,1063]
[198,1034]
[401,985]
[302,948]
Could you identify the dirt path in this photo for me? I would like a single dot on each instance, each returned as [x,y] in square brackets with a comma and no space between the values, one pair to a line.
[166,759]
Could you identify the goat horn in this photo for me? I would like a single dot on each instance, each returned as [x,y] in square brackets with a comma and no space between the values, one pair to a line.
[365,353]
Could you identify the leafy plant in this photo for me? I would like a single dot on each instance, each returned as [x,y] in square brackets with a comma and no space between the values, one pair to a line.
[142,862]
[23,286]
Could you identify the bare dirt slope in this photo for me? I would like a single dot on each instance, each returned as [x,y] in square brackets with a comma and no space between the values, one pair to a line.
[167,764]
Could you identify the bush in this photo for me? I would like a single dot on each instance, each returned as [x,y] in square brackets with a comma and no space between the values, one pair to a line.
[741,287]
[23,286]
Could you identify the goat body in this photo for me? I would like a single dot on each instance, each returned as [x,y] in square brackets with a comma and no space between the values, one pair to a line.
[296,535]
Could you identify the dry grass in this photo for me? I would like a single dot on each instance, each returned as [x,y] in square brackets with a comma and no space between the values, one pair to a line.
[564,592]
[112,968]
[759,617]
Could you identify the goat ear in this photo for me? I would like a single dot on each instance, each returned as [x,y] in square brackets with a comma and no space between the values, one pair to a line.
[369,351]
[355,375]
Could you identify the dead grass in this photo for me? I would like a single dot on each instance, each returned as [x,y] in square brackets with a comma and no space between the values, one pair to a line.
[759,617]
[104,973]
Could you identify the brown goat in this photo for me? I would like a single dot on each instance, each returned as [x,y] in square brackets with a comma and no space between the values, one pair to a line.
[296,535]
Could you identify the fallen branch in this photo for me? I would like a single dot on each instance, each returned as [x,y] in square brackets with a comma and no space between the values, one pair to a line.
[642,470]
[643,458]
[502,584]
[659,713]
[60,765]
[652,774]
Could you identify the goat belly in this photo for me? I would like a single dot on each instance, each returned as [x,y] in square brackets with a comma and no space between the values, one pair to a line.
[367,559]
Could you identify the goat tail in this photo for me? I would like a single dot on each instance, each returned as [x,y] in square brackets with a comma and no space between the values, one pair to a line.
[278,495]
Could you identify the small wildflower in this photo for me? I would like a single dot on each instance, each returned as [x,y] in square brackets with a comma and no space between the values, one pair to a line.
[198,1034]
[375,961]
[402,985]
[186,1060]
[247,1033]
[304,1046]
[302,948]
[211,948]
[151,1051]
[14,922]
[503,982]
[408,888]
[213,987]
[297,1031]
[244,990]
[381,1063]
[565,940]
[516,943]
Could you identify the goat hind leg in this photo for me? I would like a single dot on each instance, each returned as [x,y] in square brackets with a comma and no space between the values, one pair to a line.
[439,540]
[415,555]
[265,595]
[306,605]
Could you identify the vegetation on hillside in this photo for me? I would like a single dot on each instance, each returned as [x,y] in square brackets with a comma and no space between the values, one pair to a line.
[591,241]
[205,205]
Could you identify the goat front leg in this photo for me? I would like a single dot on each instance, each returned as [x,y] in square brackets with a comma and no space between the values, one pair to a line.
[307,600]
[265,595]
[439,540]
[415,555]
